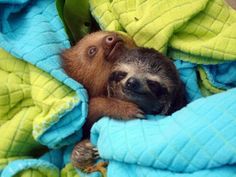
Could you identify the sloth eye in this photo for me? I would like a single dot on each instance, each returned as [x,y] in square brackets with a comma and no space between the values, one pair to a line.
[92,51]
[117,76]
[156,87]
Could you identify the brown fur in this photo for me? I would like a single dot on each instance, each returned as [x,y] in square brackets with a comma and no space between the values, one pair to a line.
[93,73]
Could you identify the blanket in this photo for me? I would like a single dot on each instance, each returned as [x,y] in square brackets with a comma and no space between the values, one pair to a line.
[200,142]
[40,106]
[196,140]
[197,31]
[42,110]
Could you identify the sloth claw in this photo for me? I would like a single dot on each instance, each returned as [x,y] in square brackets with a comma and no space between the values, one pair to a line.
[141,116]
[100,166]
[84,155]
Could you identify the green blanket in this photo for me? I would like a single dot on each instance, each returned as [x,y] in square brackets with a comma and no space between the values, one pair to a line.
[30,101]
[201,31]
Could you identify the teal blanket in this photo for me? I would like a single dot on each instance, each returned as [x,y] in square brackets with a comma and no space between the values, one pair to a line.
[198,140]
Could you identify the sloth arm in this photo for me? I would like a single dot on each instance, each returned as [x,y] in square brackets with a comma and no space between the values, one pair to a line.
[112,107]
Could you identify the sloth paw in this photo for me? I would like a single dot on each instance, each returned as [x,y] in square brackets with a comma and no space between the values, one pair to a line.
[84,155]
[131,111]
[100,166]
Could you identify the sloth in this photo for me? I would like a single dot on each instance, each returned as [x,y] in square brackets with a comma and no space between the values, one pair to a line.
[90,62]
[142,76]
[149,79]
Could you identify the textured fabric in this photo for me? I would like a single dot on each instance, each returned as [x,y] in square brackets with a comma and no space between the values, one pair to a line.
[35,108]
[32,109]
[36,168]
[195,139]
[33,32]
[117,169]
[200,31]
[48,108]
[222,76]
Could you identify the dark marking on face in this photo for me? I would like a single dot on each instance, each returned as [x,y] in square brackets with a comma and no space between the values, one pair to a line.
[117,76]
[156,88]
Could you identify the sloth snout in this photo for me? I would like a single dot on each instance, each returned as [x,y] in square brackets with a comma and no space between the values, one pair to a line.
[110,40]
[133,84]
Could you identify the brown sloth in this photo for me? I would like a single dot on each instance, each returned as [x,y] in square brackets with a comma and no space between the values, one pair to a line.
[90,62]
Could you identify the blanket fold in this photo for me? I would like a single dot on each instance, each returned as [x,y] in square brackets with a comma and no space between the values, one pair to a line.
[202,139]
[197,31]
[33,32]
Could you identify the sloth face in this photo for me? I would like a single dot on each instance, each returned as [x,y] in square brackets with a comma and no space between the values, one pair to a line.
[90,60]
[149,79]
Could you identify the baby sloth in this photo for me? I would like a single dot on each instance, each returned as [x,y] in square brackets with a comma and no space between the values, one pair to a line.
[90,62]
[148,79]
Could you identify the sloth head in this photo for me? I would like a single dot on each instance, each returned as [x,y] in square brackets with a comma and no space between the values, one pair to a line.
[149,79]
[91,59]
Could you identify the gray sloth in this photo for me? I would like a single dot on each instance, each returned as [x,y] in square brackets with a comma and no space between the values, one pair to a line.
[148,79]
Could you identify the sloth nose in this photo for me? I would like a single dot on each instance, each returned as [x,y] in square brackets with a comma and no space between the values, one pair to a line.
[110,40]
[132,84]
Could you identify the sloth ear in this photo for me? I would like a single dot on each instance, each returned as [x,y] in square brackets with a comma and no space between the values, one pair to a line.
[69,55]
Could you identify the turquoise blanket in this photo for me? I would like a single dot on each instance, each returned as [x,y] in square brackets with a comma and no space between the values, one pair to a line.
[198,140]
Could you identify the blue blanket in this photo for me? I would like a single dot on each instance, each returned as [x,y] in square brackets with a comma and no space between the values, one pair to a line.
[198,140]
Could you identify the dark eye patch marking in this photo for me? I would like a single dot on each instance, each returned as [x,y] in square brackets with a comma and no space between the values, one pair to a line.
[117,76]
[156,88]
[92,50]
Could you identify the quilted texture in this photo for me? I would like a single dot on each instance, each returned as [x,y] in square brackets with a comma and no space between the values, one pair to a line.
[198,31]
[222,76]
[116,169]
[38,108]
[31,103]
[37,168]
[202,139]
[33,32]
[35,107]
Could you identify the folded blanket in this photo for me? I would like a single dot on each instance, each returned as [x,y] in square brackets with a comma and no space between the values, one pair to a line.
[197,31]
[197,139]
[33,32]
[36,107]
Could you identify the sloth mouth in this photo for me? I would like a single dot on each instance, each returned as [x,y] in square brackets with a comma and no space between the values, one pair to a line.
[117,46]
[133,93]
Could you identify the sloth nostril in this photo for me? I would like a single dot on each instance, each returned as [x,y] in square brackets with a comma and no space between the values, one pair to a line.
[110,39]
[132,84]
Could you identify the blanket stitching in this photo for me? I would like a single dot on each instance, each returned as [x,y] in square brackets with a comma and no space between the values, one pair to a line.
[157,18]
